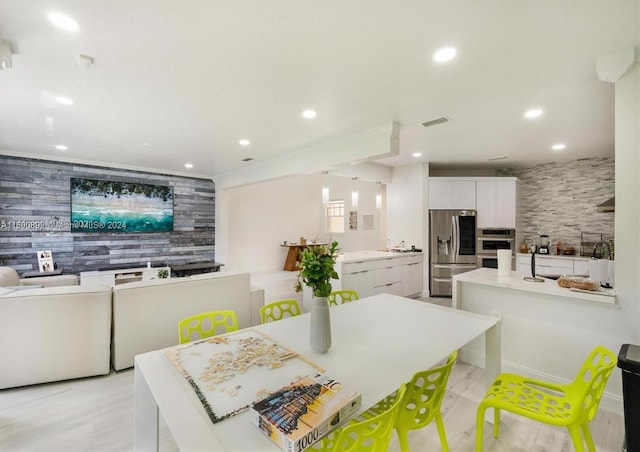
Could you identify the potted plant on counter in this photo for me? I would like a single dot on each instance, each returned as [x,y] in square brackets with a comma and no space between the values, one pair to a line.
[317,270]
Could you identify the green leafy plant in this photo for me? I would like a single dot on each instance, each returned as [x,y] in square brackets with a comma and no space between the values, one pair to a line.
[317,263]
[163,273]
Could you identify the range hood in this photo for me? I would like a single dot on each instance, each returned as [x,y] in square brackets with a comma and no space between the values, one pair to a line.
[608,206]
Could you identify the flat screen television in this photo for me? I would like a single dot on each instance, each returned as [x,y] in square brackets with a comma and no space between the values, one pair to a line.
[112,206]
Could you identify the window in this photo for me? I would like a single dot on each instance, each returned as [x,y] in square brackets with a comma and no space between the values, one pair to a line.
[335,217]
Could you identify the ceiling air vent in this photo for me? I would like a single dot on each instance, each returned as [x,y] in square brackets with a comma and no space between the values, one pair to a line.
[435,122]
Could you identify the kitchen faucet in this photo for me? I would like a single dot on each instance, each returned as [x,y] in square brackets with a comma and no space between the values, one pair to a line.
[605,245]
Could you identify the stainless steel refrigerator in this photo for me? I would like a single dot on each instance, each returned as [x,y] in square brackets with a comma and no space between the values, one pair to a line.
[452,247]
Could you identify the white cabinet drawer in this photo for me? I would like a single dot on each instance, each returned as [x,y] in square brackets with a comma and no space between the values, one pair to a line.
[581,267]
[553,266]
[361,282]
[411,260]
[393,289]
[567,264]
[384,276]
[544,260]
[387,262]
[355,267]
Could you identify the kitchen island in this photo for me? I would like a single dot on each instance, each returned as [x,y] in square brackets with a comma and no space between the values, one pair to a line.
[516,281]
[547,330]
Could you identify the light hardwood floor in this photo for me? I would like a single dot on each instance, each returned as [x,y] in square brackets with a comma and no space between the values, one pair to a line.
[96,414]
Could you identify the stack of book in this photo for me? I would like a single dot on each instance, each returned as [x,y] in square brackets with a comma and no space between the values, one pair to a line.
[298,415]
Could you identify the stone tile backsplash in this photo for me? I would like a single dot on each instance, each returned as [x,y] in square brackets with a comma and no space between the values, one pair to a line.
[558,199]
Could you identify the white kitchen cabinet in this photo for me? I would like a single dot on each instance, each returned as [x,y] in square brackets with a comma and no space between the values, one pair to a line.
[552,265]
[391,288]
[523,263]
[496,202]
[412,276]
[112,278]
[581,266]
[374,272]
[387,276]
[358,276]
[446,193]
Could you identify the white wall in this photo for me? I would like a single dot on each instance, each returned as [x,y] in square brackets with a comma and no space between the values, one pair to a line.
[361,238]
[262,216]
[407,205]
[253,220]
[627,224]
[407,211]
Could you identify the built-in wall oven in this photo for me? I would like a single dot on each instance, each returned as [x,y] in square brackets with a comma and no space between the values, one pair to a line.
[490,240]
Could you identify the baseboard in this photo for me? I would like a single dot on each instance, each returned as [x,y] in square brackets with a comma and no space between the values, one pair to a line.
[610,402]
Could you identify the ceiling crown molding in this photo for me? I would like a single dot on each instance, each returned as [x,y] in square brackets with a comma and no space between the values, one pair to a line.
[613,66]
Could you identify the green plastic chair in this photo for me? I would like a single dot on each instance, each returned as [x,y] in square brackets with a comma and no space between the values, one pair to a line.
[421,403]
[206,325]
[342,296]
[277,310]
[572,406]
[364,433]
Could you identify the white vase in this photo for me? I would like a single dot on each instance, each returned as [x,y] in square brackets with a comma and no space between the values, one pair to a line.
[320,328]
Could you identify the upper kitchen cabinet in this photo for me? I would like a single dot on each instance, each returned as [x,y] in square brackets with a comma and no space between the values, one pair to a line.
[496,202]
[452,193]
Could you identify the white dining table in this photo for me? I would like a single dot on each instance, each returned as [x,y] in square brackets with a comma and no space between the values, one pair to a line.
[378,343]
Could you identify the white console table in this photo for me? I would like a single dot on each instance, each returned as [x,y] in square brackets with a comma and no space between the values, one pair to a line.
[114,277]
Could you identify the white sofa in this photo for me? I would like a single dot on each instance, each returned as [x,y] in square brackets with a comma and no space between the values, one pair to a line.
[54,333]
[146,313]
[9,278]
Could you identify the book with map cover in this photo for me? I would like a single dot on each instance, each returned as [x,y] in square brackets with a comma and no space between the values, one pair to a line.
[299,414]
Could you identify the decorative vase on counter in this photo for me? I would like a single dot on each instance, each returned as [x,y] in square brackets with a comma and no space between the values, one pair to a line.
[320,328]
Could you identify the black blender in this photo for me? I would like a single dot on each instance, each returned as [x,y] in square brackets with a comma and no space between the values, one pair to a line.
[545,243]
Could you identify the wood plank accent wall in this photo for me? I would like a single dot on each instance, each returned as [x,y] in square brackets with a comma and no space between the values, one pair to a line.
[35,213]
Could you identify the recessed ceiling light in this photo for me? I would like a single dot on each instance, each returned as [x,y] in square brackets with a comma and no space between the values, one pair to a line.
[309,114]
[533,113]
[188,165]
[244,142]
[146,145]
[445,54]
[64,100]
[61,147]
[63,21]
[558,146]
[416,154]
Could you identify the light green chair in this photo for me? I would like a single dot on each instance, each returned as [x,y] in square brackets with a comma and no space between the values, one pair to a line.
[364,433]
[280,309]
[421,403]
[342,296]
[572,406]
[206,325]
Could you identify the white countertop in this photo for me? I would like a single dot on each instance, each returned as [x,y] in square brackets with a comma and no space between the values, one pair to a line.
[489,277]
[557,256]
[350,256]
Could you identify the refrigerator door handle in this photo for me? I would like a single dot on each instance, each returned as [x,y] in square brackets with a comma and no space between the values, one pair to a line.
[455,221]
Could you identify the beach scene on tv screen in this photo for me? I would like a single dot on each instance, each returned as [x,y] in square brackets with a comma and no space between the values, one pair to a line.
[112,206]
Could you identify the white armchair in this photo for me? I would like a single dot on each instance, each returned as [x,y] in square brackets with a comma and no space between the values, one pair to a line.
[9,278]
